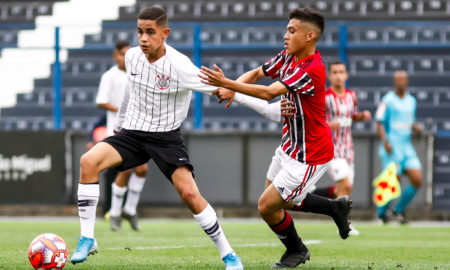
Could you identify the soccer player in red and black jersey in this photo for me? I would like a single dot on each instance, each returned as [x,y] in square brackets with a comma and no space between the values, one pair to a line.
[306,148]
[341,106]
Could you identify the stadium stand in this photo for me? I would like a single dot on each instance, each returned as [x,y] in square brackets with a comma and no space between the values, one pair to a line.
[241,35]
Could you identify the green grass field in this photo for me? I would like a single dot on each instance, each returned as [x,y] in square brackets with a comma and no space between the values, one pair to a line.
[181,244]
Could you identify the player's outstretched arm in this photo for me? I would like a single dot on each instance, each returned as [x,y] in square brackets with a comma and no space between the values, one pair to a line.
[217,78]
[362,116]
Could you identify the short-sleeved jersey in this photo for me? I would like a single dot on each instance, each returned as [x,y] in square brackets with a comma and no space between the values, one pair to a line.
[159,93]
[306,136]
[342,109]
[397,116]
[111,89]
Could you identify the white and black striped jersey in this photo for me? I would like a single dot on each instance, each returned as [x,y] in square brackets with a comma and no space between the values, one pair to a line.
[158,94]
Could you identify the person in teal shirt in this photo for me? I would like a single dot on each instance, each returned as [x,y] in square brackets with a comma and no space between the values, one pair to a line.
[395,118]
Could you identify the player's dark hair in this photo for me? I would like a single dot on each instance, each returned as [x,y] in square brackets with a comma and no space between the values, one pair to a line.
[309,15]
[154,14]
[332,63]
[120,44]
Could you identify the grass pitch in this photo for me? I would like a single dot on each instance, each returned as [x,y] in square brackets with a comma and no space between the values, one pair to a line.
[182,244]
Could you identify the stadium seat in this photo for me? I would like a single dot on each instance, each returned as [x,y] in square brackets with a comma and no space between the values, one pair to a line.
[405,8]
[377,8]
[429,35]
[8,38]
[393,64]
[400,35]
[426,65]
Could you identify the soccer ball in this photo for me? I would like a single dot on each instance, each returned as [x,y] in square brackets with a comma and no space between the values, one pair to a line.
[48,251]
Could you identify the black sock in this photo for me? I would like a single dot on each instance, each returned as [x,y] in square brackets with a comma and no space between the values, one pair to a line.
[327,192]
[285,230]
[315,204]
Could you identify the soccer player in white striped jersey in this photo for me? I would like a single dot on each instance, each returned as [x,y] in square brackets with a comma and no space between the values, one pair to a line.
[341,110]
[155,104]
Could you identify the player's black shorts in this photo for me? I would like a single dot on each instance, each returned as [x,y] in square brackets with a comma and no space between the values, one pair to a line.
[138,147]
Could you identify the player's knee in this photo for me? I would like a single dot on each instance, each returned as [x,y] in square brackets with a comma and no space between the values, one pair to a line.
[417,183]
[88,164]
[188,197]
[141,171]
[263,208]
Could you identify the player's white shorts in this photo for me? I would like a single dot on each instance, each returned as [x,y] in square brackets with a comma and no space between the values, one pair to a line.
[340,168]
[291,178]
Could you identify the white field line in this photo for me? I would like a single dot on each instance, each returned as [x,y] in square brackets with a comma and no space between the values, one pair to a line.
[307,242]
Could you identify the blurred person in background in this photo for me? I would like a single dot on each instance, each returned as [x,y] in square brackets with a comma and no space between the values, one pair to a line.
[341,107]
[396,116]
[110,93]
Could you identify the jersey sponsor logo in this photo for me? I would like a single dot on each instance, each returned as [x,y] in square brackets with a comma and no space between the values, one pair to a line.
[163,82]
[280,189]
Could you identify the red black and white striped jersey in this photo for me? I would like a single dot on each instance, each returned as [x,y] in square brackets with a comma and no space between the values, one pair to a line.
[341,109]
[306,135]
[158,95]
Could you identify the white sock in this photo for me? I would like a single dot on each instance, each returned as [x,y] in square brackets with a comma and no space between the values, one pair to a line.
[88,195]
[117,200]
[207,219]
[135,186]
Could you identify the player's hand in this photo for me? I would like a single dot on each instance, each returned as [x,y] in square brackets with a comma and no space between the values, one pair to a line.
[367,116]
[388,147]
[212,77]
[334,125]
[416,128]
[225,94]
[287,110]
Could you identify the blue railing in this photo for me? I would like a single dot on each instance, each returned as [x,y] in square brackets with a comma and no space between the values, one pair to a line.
[339,35]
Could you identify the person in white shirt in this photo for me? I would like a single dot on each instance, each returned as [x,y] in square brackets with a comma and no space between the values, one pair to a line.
[111,90]
[155,103]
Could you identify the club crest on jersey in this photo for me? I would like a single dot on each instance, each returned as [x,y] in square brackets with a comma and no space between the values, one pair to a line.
[162,82]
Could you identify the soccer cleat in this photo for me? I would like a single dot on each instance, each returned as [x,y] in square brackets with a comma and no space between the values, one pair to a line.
[292,259]
[387,217]
[353,231]
[115,223]
[341,207]
[400,217]
[86,246]
[133,219]
[232,262]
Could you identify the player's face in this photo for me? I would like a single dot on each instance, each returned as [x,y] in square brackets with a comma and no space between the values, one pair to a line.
[151,37]
[119,57]
[298,36]
[338,75]
[401,81]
